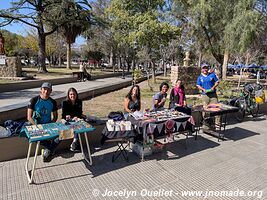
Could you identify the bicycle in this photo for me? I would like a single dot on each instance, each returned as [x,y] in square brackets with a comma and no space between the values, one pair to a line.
[246,102]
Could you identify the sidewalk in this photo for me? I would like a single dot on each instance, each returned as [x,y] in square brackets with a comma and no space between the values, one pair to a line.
[237,166]
[13,104]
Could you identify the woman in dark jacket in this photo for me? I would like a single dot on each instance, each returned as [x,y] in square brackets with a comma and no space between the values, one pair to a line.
[178,98]
[72,109]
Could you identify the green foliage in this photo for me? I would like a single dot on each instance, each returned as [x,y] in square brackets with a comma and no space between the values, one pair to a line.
[241,31]
[137,73]
[95,55]
[220,25]
[11,42]
[77,17]
[224,88]
[137,23]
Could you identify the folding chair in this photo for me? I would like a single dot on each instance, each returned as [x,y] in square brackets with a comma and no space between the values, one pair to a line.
[121,150]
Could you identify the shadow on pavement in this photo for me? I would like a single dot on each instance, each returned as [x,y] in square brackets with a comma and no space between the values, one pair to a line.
[238,134]
[103,163]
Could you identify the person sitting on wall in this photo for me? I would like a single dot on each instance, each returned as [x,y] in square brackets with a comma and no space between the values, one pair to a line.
[72,109]
[39,111]
[132,101]
[159,98]
[178,98]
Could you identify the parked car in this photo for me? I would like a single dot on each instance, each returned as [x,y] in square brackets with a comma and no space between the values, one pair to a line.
[104,65]
[254,75]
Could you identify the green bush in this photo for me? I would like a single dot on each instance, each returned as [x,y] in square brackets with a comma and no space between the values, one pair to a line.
[137,74]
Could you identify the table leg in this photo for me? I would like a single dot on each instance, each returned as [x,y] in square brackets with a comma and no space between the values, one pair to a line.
[89,161]
[30,177]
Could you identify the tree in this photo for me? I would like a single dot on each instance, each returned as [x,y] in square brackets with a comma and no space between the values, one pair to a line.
[99,36]
[11,42]
[35,14]
[79,18]
[43,15]
[137,22]
[220,26]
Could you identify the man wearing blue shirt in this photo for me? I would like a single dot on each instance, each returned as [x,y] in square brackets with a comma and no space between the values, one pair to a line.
[39,111]
[207,83]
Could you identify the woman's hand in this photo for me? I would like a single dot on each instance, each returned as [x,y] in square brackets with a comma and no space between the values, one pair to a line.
[75,119]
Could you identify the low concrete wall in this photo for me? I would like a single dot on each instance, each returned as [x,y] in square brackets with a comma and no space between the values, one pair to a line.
[21,85]
[17,147]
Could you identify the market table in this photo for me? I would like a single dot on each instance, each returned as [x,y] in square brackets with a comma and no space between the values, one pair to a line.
[218,109]
[155,124]
[42,132]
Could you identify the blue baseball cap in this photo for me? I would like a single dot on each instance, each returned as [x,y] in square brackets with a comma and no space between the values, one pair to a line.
[204,65]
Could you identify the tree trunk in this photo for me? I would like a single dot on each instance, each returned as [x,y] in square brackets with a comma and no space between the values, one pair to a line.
[59,60]
[199,59]
[111,59]
[247,59]
[153,72]
[68,55]
[225,63]
[41,52]
[164,68]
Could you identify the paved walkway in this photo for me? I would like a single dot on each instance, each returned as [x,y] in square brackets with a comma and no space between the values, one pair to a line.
[224,170]
[21,98]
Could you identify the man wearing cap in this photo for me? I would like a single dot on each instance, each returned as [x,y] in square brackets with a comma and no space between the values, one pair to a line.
[207,83]
[39,111]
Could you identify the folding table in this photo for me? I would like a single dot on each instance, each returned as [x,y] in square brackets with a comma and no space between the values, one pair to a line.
[42,132]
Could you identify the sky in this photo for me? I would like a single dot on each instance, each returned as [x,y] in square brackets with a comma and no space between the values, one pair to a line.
[21,29]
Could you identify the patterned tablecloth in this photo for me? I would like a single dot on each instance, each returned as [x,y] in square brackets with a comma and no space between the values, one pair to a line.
[149,126]
[49,131]
[216,109]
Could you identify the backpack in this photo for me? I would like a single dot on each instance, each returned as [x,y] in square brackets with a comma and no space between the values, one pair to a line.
[116,116]
[14,127]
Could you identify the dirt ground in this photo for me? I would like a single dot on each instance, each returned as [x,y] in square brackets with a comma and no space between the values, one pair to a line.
[100,106]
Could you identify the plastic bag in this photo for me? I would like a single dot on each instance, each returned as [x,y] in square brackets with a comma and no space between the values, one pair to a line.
[4,132]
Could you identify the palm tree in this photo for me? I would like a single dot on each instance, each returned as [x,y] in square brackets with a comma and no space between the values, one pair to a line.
[79,19]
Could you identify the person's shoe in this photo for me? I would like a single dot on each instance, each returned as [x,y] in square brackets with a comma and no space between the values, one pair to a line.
[46,155]
[75,147]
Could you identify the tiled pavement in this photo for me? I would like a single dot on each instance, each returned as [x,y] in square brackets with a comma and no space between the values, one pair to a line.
[236,164]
